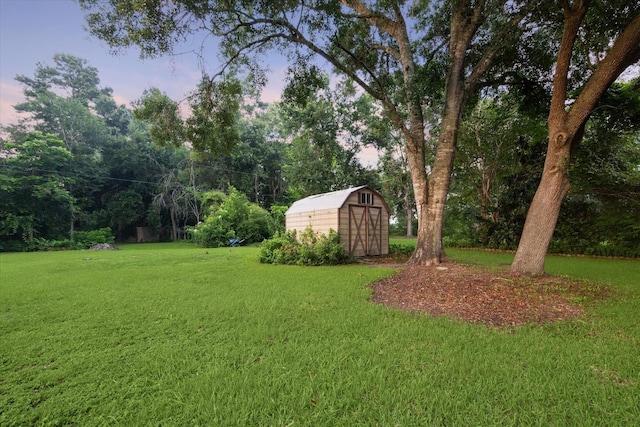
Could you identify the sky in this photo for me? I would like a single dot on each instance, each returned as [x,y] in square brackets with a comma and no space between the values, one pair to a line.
[32,31]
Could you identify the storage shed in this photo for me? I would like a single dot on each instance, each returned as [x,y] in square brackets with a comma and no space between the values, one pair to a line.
[359,214]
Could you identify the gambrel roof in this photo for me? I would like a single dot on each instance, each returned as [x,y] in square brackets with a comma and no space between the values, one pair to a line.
[332,200]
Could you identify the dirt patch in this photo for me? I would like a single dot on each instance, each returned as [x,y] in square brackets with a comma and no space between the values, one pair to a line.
[490,297]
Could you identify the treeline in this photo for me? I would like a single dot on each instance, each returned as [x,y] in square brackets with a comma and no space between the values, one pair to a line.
[79,163]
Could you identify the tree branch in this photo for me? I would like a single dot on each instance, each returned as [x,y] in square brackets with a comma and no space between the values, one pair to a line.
[380,21]
[624,52]
[511,32]
[247,47]
[573,16]
[388,50]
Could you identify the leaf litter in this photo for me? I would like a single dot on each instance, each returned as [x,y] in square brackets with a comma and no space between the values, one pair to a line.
[494,298]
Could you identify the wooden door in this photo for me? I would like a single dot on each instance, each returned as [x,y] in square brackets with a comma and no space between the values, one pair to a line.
[357,230]
[374,230]
[365,227]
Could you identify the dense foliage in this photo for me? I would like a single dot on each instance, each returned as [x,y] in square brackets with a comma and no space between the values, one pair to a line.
[36,200]
[81,240]
[77,162]
[235,220]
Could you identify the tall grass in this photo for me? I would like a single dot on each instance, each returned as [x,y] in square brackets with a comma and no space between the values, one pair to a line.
[176,335]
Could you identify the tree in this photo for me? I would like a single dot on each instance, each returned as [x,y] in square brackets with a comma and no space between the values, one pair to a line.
[571,105]
[114,164]
[324,136]
[373,43]
[124,207]
[212,125]
[253,165]
[60,100]
[36,201]
[180,199]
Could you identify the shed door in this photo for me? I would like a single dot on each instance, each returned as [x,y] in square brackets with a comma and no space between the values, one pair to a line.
[365,226]
[374,240]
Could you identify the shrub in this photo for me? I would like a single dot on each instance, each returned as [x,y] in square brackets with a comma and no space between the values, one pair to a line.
[281,249]
[310,249]
[397,249]
[235,217]
[211,233]
[328,250]
[81,240]
[257,226]
[279,218]
[94,237]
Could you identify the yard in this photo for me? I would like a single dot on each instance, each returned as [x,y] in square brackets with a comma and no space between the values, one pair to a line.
[178,335]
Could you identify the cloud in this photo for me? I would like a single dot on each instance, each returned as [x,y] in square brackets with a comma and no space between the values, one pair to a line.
[10,95]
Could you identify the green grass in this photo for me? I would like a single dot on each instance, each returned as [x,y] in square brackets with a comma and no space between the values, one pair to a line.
[176,335]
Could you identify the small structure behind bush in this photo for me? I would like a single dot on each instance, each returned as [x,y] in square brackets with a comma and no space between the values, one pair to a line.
[359,215]
[309,248]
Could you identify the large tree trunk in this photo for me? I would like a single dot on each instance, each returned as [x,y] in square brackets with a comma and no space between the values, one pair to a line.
[429,249]
[415,148]
[542,216]
[431,192]
[416,158]
[543,213]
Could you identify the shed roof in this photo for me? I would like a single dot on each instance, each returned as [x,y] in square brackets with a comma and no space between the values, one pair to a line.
[332,200]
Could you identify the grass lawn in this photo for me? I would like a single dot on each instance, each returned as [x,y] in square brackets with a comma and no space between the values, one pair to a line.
[176,335]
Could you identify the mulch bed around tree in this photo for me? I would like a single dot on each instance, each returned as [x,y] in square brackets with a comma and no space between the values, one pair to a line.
[479,295]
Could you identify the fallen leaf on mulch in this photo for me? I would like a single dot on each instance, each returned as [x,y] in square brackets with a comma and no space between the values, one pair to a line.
[490,297]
